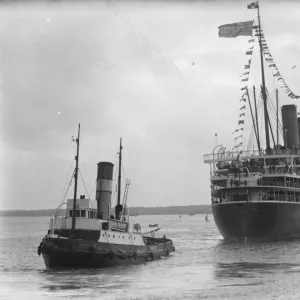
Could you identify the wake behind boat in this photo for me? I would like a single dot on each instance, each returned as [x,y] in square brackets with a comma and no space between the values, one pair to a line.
[255,186]
[91,235]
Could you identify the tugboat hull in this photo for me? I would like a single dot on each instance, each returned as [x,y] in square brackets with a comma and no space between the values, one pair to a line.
[86,260]
[258,221]
[90,254]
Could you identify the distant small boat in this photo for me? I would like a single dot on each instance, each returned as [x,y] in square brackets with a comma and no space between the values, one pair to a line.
[153,225]
[191,214]
[206,218]
[134,215]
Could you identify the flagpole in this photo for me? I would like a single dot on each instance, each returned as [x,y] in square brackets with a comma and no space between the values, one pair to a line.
[263,83]
[254,95]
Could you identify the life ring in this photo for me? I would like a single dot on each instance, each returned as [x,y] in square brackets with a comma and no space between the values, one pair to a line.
[137,227]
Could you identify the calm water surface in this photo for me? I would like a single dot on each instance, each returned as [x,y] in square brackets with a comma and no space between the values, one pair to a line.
[203,266]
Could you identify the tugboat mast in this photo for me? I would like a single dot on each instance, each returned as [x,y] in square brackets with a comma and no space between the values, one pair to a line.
[119,206]
[264,94]
[119,176]
[75,187]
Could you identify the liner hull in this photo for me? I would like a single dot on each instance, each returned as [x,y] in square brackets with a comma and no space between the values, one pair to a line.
[258,221]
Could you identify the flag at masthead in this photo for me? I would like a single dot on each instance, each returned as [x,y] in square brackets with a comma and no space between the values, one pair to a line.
[252,5]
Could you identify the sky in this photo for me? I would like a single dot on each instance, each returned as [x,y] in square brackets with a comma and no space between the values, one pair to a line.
[155,74]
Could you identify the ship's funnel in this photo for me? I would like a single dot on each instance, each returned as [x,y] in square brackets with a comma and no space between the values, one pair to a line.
[290,126]
[104,189]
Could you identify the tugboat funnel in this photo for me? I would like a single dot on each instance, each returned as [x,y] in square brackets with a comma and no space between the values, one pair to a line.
[104,189]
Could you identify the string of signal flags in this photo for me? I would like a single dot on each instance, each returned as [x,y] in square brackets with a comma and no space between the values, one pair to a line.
[246,29]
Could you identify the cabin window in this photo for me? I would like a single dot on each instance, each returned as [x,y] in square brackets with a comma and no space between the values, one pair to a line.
[77,213]
[82,213]
[71,213]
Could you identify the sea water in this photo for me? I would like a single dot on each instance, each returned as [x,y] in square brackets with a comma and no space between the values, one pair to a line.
[204,266]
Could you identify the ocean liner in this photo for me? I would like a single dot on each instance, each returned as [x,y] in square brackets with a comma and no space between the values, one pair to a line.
[255,186]
[91,235]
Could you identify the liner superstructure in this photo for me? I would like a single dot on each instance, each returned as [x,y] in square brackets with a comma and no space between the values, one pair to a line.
[256,195]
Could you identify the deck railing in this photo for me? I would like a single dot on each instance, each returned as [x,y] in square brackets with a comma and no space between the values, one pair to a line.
[256,183]
[262,197]
[234,155]
[269,169]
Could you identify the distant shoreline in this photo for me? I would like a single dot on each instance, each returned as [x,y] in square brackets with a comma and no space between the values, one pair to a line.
[168,210]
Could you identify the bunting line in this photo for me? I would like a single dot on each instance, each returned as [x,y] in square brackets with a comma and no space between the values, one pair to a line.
[271,64]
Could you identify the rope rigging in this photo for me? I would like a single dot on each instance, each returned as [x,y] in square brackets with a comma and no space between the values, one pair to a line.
[84,184]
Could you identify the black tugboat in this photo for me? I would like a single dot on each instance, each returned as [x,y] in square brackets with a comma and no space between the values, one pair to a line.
[90,235]
[255,194]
